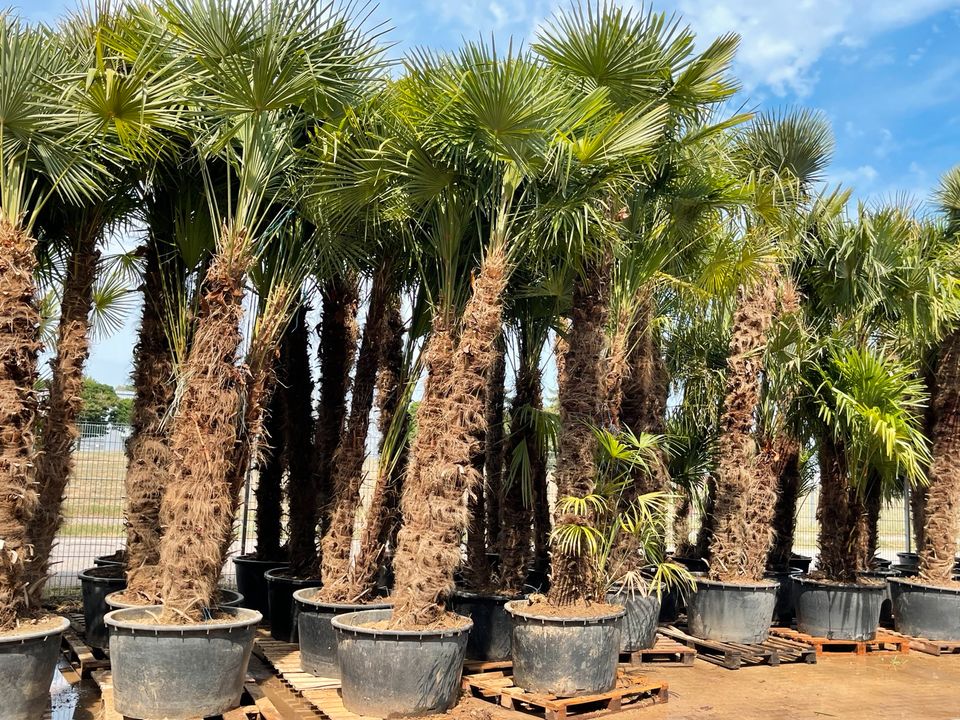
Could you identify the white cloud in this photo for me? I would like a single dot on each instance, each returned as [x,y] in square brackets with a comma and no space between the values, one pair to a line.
[863,175]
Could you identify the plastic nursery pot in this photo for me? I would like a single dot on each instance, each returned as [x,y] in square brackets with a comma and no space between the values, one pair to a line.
[926,611]
[283,611]
[398,672]
[670,603]
[732,612]
[251,583]
[882,575]
[693,564]
[178,671]
[801,561]
[786,606]
[566,656]
[118,557]
[909,559]
[318,640]
[228,598]
[27,663]
[906,570]
[639,628]
[838,611]
[490,638]
[95,584]
[879,563]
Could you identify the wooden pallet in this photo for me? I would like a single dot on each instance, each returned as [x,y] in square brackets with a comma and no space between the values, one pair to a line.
[733,656]
[885,641]
[104,682]
[632,691]
[472,667]
[83,657]
[666,651]
[928,647]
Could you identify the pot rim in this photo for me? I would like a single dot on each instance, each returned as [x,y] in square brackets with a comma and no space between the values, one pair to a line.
[298,595]
[573,619]
[273,577]
[836,585]
[924,587]
[245,560]
[118,605]
[244,619]
[82,575]
[342,623]
[766,586]
[489,597]
[22,638]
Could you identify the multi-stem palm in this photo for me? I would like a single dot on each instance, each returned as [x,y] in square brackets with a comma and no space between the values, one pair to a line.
[42,156]
[258,77]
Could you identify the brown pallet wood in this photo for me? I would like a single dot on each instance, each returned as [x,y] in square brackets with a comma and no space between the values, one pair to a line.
[666,651]
[85,658]
[928,647]
[733,656]
[472,667]
[631,691]
[885,641]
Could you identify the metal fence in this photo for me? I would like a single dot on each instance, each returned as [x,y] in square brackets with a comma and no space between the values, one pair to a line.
[95,500]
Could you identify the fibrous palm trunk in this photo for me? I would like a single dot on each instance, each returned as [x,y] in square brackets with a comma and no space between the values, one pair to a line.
[517,510]
[746,493]
[148,449]
[440,473]
[681,522]
[787,470]
[19,346]
[347,473]
[843,538]
[298,438]
[942,512]
[918,494]
[196,509]
[271,467]
[582,406]
[704,539]
[65,398]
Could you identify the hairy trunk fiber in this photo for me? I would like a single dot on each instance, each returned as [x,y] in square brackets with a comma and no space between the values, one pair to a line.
[485,504]
[517,510]
[393,428]
[298,438]
[681,523]
[582,405]
[840,514]
[942,512]
[65,398]
[918,494]
[440,473]
[19,345]
[197,502]
[273,461]
[873,503]
[746,494]
[786,467]
[708,521]
[347,471]
[148,449]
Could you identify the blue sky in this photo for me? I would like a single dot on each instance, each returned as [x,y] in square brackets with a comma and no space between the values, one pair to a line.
[885,72]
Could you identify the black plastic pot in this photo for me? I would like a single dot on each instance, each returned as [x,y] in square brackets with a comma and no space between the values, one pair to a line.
[228,599]
[492,626]
[27,664]
[398,672]
[95,585]
[786,606]
[251,583]
[882,575]
[838,611]
[318,640]
[283,611]
[909,559]
[670,603]
[731,612]
[801,561]
[639,628]
[566,656]
[178,672]
[879,563]
[118,557]
[538,578]
[926,611]
[906,570]
[693,564]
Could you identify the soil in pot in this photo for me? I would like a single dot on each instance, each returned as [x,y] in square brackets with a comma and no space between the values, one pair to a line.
[251,583]
[926,611]
[283,610]
[28,659]
[639,629]
[121,600]
[95,584]
[318,640]
[200,668]
[556,651]
[732,612]
[398,672]
[838,611]
[490,638]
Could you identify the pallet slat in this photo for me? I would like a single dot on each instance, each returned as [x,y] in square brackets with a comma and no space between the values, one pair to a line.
[666,651]
[733,656]
[929,647]
[885,641]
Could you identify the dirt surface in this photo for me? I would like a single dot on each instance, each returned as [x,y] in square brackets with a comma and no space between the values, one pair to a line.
[884,685]
[539,606]
[38,623]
